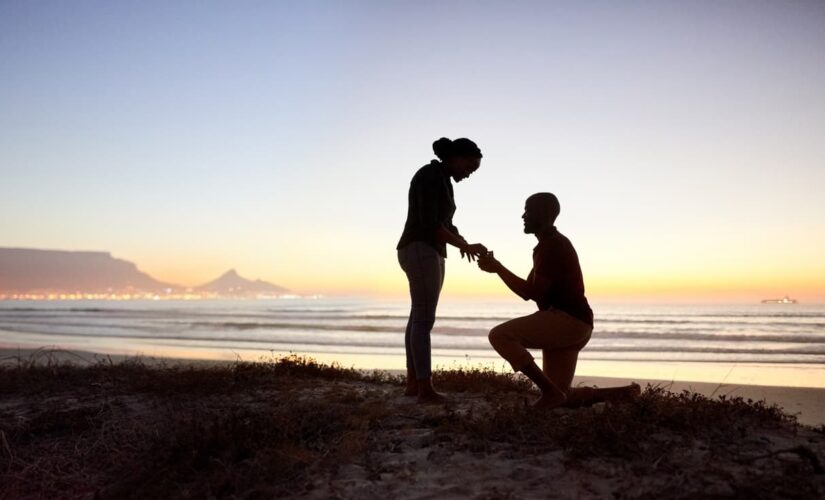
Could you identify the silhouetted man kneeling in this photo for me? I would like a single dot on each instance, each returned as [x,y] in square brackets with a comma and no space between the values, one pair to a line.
[564,322]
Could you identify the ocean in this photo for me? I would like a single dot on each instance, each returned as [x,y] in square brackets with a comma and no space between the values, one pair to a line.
[768,344]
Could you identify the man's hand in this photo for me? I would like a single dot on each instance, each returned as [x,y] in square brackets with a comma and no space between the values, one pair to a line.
[489,263]
[473,251]
[522,288]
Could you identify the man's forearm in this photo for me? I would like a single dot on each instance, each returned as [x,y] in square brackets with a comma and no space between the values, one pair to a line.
[519,286]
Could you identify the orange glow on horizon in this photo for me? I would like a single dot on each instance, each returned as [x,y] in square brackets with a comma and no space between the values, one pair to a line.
[392,283]
[365,264]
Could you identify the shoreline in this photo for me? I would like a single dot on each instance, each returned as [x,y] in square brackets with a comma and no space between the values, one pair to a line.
[807,404]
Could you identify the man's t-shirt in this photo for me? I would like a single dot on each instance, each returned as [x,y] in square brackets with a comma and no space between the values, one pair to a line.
[555,259]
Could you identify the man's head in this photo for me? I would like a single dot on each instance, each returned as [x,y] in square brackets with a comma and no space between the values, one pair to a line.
[540,212]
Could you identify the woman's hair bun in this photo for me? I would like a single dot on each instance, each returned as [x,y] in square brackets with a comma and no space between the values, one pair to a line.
[442,148]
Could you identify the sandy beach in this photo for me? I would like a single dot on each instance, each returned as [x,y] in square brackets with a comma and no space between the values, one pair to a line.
[807,404]
[293,427]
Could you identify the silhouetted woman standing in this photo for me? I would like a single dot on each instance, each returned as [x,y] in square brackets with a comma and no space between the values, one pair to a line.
[423,248]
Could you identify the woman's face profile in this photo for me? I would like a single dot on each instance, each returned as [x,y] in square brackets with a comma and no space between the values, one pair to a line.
[462,167]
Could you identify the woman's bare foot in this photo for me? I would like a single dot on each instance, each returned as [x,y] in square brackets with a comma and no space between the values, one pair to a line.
[550,401]
[431,398]
[412,384]
[427,394]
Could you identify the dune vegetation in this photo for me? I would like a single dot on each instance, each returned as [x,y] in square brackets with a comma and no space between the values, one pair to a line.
[291,426]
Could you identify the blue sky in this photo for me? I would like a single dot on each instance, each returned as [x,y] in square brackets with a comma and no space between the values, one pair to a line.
[684,139]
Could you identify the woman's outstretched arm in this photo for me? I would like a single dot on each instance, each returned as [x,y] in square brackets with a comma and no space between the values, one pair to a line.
[470,250]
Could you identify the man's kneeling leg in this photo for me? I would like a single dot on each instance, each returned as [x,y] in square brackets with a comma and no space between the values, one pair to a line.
[521,360]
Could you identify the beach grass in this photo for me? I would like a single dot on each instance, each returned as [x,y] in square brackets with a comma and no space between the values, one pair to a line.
[291,426]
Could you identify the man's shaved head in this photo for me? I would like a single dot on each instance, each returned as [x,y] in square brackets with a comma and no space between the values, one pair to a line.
[540,212]
[545,204]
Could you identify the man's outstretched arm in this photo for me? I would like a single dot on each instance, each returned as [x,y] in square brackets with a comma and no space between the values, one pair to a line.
[527,290]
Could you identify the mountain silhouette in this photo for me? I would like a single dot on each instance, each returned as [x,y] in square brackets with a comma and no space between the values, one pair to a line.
[231,283]
[26,270]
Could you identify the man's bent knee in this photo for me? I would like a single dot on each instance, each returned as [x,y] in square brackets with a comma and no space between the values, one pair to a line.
[496,336]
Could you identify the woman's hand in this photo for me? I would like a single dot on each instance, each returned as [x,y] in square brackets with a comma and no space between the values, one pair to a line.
[473,251]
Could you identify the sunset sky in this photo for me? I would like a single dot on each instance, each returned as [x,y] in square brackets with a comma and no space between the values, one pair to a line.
[685,140]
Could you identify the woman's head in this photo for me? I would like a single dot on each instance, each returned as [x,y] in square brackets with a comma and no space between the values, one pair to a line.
[461,156]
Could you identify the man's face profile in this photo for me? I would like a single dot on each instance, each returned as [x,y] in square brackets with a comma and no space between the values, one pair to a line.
[533,216]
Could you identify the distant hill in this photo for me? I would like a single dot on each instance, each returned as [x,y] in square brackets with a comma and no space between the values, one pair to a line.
[24,270]
[231,283]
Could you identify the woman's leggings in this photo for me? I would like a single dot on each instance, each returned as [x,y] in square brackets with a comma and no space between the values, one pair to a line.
[424,267]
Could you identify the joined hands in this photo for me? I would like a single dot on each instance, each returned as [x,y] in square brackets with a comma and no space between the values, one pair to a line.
[473,251]
[488,263]
[485,259]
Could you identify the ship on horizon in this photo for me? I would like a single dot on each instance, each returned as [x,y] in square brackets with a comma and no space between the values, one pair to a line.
[783,300]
